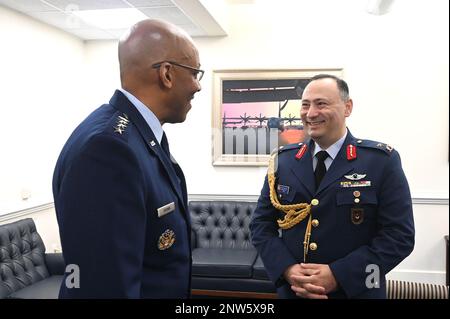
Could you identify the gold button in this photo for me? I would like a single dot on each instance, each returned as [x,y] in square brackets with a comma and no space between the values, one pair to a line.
[356,200]
[315,202]
[313,246]
[315,222]
[356,193]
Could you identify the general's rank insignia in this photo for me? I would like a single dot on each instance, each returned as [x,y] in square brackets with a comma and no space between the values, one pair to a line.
[122,123]
[357,215]
[166,240]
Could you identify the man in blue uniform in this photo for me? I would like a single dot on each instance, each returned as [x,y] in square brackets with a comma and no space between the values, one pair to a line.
[335,212]
[120,197]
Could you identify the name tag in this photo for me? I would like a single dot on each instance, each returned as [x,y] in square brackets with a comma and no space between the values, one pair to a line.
[164,210]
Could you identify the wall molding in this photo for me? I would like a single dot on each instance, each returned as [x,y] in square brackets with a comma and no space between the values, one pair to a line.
[204,197]
[25,212]
[254,198]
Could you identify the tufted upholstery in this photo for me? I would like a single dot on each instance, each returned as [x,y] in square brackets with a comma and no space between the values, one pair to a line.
[221,224]
[223,257]
[22,257]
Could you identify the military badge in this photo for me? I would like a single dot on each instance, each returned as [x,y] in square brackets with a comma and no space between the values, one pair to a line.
[283,189]
[356,184]
[351,152]
[355,176]
[166,240]
[357,215]
[301,152]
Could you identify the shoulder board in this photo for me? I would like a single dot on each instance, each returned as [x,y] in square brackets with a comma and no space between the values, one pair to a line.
[376,145]
[285,148]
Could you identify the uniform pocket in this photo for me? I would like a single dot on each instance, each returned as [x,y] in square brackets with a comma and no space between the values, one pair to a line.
[358,208]
[356,197]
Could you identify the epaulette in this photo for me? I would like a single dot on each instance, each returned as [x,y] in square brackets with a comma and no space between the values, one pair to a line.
[376,145]
[288,147]
[121,123]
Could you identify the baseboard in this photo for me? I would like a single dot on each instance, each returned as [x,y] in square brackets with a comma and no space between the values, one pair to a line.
[233,294]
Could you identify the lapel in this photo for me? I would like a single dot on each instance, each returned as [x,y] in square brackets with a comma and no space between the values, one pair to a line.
[340,166]
[121,103]
[302,168]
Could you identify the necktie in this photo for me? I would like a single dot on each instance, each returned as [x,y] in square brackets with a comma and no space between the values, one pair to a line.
[321,169]
[165,144]
[165,147]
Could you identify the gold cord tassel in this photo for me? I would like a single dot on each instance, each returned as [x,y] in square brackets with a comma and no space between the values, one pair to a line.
[294,213]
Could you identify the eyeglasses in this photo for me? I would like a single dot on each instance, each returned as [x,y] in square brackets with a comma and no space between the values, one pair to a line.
[198,73]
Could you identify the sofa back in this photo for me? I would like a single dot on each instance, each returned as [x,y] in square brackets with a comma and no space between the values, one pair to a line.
[221,224]
[22,256]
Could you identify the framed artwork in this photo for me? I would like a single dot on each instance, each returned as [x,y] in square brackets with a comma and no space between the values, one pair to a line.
[256,111]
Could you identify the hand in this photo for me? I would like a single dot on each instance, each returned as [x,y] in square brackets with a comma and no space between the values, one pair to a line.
[313,277]
[300,279]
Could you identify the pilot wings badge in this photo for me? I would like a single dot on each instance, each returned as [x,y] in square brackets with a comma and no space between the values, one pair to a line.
[355,176]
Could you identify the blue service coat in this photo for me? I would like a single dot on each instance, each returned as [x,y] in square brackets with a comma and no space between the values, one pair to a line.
[111,178]
[350,237]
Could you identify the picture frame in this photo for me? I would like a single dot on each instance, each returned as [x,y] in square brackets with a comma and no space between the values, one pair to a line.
[256,111]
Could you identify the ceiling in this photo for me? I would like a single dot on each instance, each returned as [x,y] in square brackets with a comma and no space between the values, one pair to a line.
[190,15]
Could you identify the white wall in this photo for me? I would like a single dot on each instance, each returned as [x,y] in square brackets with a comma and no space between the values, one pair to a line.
[396,65]
[41,76]
[397,69]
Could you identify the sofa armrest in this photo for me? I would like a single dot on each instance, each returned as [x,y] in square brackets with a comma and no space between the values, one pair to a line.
[55,263]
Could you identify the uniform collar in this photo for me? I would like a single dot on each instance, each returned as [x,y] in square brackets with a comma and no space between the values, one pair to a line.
[149,117]
[333,150]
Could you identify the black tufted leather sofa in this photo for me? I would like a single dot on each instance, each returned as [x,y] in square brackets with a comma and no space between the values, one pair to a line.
[225,263]
[26,271]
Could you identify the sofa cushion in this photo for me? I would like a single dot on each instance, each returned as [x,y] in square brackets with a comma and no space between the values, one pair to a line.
[223,262]
[259,272]
[44,289]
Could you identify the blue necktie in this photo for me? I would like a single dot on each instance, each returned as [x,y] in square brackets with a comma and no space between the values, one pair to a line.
[165,144]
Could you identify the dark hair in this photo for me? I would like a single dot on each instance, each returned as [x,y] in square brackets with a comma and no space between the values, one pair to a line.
[341,84]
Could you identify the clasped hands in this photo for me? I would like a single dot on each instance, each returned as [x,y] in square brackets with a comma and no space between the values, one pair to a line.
[312,281]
